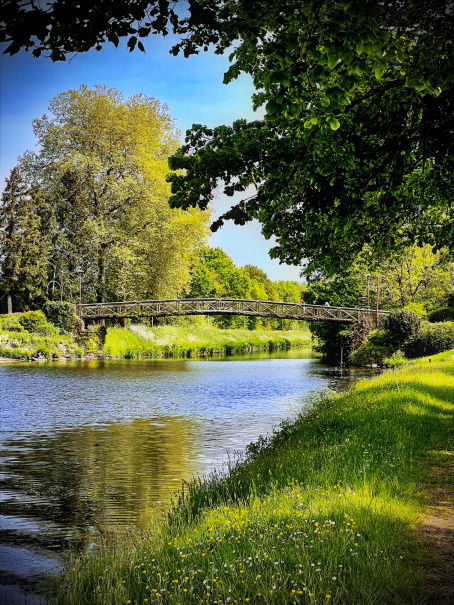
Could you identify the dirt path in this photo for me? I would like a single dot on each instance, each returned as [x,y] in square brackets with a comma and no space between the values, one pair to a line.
[437,530]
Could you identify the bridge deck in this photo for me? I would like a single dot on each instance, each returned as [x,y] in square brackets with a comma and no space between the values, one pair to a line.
[225,306]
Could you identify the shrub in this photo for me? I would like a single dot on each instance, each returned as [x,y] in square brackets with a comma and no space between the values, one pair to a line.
[43,351]
[369,353]
[32,320]
[396,360]
[450,300]
[401,325]
[61,314]
[433,338]
[15,353]
[379,338]
[442,314]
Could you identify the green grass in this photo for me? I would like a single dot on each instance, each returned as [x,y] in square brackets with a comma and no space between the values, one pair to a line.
[140,341]
[42,340]
[322,512]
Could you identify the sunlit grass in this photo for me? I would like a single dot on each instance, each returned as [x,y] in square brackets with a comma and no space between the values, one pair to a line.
[322,512]
[141,341]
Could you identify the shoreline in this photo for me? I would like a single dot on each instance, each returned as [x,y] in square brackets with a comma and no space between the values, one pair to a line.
[140,342]
[323,511]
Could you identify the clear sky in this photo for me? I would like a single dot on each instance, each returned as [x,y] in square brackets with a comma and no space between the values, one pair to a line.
[192,88]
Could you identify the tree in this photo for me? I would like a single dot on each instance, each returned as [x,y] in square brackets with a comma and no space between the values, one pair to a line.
[102,165]
[418,275]
[357,136]
[23,249]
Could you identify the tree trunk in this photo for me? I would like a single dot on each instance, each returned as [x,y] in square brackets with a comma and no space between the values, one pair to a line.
[9,303]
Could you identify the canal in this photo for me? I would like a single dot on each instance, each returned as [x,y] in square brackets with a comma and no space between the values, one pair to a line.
[93,448]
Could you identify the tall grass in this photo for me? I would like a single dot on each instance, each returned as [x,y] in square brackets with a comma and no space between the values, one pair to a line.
[321,512]
[141,341]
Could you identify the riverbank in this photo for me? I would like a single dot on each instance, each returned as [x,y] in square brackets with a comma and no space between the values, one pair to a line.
[177,341]
[325,511]
[29,336]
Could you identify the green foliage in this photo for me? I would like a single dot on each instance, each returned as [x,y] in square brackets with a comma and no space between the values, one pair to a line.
[215,275]
[15,353]
[95,218]
[418,308]
[401,325]
[61,314]
[379,338]
[28,335]
[11,322]
[369,353]
[341,485]
[334,80]
[433,338]
[356,140]
[23,243]
[442,314]
[32,320]
[416,278]
[396,360]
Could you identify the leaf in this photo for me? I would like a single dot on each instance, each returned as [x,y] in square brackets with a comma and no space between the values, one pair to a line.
[308,124]
[140,46]
[314,121]
[132,43]
[333,122]
[332,61]
[379,70]
[324,101]
[272,107]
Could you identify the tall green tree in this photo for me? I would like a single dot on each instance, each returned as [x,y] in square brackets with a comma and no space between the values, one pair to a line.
[23,246]
[102,164]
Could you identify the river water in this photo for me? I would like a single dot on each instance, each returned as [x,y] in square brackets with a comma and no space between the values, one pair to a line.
[91,448]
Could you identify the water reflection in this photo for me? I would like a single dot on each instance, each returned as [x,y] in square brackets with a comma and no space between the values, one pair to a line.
[90,448]
[95,479]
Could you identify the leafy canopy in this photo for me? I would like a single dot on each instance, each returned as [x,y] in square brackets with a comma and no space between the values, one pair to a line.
[356,140]
[102,210]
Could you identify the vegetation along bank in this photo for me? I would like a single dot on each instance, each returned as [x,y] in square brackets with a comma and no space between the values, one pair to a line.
[30,335]
[324,511]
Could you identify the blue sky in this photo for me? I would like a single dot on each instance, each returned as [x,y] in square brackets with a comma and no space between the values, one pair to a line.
[192,88]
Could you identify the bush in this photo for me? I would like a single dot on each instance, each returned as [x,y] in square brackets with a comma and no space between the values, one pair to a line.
[442,314]
[32,320]
[368,354]
[61,314]
[433,338]
[15,353]
[396,360]
[450,300]
[401,325]
[379,338]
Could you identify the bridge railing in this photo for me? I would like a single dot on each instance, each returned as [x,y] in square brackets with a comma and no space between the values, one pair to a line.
[225,306]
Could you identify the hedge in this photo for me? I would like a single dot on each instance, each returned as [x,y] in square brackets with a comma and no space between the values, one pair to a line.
[442,314]
[433,338]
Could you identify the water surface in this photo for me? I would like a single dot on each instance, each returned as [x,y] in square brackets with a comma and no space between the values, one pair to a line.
[92,448]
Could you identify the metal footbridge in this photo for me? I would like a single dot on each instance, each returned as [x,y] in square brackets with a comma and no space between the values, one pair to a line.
[225,306]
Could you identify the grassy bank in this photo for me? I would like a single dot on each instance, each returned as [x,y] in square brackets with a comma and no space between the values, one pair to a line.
[30,336]
[323,512]
[142,341]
